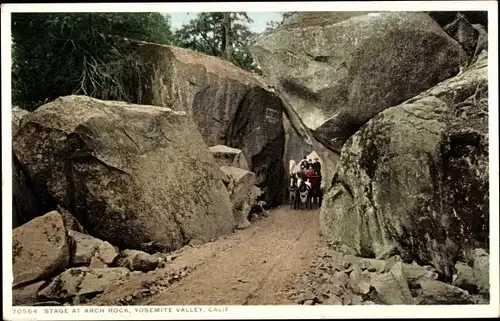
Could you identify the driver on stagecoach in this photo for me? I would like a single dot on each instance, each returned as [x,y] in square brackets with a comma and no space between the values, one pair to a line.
[317,166]
[311,174]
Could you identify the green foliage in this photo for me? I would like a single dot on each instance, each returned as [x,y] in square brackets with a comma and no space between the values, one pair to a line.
[205,33]
[57,54]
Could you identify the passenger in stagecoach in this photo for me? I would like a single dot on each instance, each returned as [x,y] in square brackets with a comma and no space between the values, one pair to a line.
[312,176]
[302,173]
[304,162]
[317,166]
[310,171]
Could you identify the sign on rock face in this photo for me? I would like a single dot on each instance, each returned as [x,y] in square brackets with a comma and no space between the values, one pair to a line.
[227,104]
[134,175]
[249,119]
[263,142]
[273,116]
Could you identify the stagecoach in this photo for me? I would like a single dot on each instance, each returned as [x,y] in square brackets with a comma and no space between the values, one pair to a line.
[304,195]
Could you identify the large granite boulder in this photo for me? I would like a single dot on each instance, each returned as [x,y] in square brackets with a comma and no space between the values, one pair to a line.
[85,248]
[25,206]
[474,279]
[392,287]
[414,179]
[81,281]
[480,260]
[27,295]
[445,17]
[472,37]
[230,106]
[338,70]
[295,147]
[114,166]
[434,292]
[227,156]
[243,193]
[138,261]
[17,114]
[39,249]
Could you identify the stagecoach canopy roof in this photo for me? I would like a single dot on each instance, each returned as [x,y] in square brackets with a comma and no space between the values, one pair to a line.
[314,156]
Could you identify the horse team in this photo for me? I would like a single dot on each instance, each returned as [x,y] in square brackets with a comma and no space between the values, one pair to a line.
[305,185]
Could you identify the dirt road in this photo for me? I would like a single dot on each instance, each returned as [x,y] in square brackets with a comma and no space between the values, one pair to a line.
[255,266]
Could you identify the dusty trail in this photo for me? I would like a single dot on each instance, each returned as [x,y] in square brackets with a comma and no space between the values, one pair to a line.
[255,266]
[257,270]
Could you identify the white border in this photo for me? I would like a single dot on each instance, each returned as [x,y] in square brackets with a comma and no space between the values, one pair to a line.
[255,312]
[254,6]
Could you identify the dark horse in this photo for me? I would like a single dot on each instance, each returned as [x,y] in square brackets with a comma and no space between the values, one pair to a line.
[299,193]
[304,194]
[316,194]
